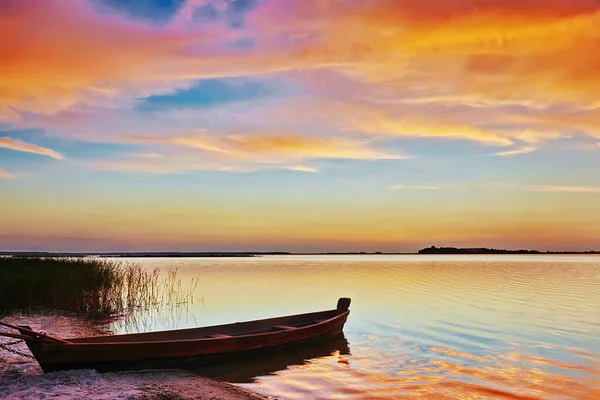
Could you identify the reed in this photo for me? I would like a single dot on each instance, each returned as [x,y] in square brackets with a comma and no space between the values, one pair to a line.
[91,287]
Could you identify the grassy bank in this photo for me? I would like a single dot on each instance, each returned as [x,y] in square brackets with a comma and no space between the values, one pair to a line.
[93,287]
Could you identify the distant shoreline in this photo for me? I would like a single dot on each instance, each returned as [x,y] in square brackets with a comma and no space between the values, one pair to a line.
[212,254]
[484,250]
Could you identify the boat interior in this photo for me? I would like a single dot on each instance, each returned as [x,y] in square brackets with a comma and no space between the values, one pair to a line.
[287,323]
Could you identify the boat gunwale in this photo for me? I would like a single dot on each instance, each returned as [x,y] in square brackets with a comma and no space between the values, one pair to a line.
[204,339]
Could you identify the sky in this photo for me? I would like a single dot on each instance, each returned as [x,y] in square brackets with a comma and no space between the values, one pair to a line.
[294,125]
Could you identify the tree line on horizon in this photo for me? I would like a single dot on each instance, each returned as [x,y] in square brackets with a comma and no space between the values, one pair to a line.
[485,250]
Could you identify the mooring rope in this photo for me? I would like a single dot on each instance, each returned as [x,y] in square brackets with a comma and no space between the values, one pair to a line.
[5,346]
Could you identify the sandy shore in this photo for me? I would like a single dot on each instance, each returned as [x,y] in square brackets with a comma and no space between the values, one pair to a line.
[22,378]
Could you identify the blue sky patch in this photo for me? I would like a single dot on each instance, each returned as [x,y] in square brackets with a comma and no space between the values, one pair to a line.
[233,15]
[209,92]
[155,10]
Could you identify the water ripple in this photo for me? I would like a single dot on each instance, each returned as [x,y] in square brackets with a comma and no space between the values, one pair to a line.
[420,327]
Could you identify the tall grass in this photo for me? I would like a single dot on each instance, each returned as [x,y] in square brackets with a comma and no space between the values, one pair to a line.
[92,287]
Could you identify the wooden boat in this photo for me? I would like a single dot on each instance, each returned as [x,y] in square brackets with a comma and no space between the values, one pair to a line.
[184,347]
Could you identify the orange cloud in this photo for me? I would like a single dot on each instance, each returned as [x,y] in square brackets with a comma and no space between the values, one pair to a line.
[498,51]
[18,145]
[299,147]
[435,55]
[60,55]
[244,152]
[64,55]
[421,126]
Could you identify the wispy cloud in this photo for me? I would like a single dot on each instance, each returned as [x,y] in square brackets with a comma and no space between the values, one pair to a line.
[18,145]
[505,186]
[137,166]
[420,187]
[566,189]
[6,175]
[515,152]
[303,168]
[528,187]
[425,187]
[396,187]
[348,112]
[242,152]
[299,147]
[147,155]
[583,120]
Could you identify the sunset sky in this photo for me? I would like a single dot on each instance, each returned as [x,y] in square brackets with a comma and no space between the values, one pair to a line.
[306,125]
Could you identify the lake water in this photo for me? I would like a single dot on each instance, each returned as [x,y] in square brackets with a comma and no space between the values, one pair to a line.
[426,327]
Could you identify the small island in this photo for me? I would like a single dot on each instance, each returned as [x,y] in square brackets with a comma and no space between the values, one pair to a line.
[485,250]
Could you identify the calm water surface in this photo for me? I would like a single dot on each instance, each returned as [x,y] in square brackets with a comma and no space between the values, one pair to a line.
[426,327]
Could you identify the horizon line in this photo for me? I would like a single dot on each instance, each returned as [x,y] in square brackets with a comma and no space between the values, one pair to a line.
[440,251]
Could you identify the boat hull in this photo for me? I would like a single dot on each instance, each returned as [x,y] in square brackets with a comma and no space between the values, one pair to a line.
[180,349]
[185,362]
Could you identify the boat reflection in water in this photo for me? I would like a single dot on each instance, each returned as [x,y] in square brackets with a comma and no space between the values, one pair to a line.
[248,369]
